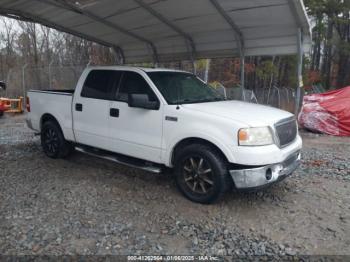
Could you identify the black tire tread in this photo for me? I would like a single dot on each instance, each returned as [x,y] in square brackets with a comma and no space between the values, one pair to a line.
[220,164]
[66,147]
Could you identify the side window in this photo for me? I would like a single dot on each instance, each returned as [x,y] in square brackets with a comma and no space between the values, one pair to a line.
[134,83]
[99,84]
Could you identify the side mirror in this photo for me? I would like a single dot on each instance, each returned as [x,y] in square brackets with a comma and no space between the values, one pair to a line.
[142,101]
[2,85]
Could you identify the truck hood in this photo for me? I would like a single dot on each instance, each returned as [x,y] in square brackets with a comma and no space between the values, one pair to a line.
[252,115]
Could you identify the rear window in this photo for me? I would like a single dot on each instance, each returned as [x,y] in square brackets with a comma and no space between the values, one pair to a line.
[100,83]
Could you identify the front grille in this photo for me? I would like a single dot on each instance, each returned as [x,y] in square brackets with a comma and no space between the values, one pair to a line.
[287,131]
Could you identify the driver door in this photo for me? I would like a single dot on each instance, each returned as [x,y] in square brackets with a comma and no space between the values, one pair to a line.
[136,132]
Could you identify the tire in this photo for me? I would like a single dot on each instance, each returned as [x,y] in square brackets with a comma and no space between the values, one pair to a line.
[1,113]
[201,173]
[52,141]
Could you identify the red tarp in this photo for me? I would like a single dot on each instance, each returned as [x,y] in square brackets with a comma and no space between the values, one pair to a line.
[327,113]
[2,107]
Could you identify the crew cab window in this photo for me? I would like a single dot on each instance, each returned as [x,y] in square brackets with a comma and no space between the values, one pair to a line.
[134,83]
[100,83]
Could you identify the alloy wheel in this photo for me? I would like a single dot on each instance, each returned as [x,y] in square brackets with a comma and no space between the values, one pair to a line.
[51,141]
[198,175]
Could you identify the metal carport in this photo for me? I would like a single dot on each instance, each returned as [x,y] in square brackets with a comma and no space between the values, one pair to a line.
[169,30]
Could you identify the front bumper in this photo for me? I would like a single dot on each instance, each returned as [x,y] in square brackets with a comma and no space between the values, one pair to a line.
[254,178]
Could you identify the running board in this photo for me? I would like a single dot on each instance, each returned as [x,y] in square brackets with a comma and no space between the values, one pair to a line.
[120,159]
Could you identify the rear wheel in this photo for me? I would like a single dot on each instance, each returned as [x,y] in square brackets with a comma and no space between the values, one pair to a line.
[201,173]
[53,142]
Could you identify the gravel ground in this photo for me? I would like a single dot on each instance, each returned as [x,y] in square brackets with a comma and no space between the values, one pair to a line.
[85,205]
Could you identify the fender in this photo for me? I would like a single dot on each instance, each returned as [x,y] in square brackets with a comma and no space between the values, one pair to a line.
[225,149]
[67,132]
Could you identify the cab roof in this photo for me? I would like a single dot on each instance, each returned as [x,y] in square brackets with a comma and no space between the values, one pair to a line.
[133,68]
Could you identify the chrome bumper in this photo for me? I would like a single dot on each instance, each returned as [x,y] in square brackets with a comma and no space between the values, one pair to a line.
[266,175]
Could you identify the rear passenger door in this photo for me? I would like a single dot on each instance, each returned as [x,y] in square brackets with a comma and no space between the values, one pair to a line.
[91,108]
[136,132]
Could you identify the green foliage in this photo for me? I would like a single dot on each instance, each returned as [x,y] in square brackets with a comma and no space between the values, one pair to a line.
[331,35]
[266,69]
[344,48]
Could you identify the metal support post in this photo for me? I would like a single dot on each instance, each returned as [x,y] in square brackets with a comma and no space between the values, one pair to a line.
[242,63]
[8,80]
[120,55]
[89,63]
[50,80]
[206,75]
[194,67]
[300,72]
[23,82]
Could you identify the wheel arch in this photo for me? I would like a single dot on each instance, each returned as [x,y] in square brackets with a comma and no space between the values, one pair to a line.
[49,117]
[195,140]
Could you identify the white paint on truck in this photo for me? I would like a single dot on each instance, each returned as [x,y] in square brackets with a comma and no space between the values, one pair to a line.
[153,134]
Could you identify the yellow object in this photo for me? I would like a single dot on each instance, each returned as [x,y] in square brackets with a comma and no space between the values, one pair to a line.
[12,105]
[243,135]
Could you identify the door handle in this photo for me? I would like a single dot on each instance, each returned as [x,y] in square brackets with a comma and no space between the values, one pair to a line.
[114,112]
[79,107]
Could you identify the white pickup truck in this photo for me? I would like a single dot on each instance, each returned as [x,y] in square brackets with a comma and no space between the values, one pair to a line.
[157,118]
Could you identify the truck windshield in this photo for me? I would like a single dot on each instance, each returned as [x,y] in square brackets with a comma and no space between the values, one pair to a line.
[183,88]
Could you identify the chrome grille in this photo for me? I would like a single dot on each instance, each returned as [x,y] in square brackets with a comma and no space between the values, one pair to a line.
[286,131]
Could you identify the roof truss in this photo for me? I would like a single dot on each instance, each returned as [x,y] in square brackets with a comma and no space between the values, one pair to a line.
[152,30]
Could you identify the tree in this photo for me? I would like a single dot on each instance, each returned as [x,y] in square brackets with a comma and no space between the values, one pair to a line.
[331,40]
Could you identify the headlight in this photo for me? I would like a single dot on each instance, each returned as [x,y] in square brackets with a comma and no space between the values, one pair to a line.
[256,136]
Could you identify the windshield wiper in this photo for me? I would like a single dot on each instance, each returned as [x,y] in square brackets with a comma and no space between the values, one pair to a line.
[220,99]
[185,101]
[212,99]
[204,100]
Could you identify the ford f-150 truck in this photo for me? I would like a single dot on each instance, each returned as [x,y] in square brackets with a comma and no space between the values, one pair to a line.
[158,118]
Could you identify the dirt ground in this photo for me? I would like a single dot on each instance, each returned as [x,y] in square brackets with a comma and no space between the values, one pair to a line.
[84,205]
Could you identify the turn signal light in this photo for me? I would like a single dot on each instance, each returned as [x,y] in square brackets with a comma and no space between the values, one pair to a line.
[243,135]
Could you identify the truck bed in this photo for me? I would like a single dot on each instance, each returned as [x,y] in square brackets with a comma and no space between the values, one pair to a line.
[57,103]
[55,91]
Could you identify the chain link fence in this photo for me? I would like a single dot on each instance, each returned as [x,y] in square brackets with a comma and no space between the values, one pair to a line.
[279,97]
[21,80]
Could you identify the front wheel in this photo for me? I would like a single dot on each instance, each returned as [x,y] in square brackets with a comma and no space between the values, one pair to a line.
[201,173]
[53,142]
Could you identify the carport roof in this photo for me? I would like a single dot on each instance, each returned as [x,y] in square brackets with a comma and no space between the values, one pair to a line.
[168,30]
